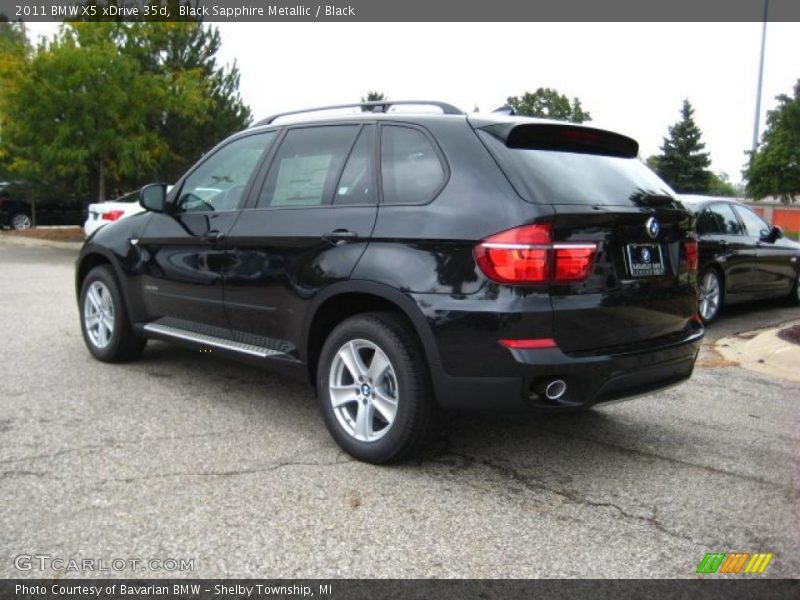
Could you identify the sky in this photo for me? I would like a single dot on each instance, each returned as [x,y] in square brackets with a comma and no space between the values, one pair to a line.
[631,77]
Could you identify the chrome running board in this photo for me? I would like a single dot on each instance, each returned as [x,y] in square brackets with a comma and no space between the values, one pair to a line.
[210,340]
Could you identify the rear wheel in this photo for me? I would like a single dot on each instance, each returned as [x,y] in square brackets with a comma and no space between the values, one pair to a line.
[106,328]
[710,295]
[374,389]
[21,221]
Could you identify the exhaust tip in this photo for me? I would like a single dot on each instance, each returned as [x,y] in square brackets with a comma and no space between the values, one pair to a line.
[555,389]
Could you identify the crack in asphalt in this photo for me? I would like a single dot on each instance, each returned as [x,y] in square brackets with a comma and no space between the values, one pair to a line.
[534,484]
[232,473]
[20,473]
[92,448]
[676,461]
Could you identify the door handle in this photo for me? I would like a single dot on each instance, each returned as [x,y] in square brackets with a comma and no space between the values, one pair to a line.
[338,236]
[214,236]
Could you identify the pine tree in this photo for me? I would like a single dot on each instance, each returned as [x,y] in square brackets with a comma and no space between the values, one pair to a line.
[682,162]
[372,97]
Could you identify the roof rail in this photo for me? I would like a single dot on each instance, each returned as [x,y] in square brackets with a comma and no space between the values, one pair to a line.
[378,106]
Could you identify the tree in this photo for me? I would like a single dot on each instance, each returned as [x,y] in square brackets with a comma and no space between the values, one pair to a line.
[547,103]
[117,104]
[774,168]
[372,97]
[719,184]
[14,51]
[682,162]
[183,54]
[80,111]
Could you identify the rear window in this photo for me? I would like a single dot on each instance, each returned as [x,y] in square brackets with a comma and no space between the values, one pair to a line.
[575,177]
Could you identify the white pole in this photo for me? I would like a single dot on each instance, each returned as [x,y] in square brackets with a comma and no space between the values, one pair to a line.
[760,77]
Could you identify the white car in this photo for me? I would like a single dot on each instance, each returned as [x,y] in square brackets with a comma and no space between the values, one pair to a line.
[103,213]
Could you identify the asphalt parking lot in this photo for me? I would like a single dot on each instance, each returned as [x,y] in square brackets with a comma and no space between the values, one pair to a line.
[182,455]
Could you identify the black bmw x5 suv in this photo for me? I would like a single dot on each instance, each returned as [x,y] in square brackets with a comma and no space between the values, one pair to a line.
[404,263]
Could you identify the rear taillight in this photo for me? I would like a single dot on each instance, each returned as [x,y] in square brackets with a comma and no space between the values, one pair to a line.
[573,262]
[527,255]
[691,257]
[112,215]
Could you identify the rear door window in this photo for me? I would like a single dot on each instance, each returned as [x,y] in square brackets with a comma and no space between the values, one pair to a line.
[411,170]
[718,219]
[307,166]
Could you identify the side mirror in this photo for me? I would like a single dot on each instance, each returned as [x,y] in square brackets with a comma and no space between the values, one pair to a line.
[153,197]
[776,233]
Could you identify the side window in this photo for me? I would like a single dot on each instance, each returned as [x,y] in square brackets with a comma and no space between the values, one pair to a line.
[307,165]
[218,183]
[718,219]
[709,223]
[356,184]
[411,171]
[755,225]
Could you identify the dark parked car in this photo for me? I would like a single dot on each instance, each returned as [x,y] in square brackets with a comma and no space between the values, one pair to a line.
[742,258]
[406,262]
[14,213]
[17,212]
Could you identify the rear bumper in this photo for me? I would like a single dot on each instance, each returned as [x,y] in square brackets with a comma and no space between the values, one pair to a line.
[590,379]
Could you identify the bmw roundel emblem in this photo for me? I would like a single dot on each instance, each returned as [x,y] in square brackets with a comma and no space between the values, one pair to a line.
[652,226]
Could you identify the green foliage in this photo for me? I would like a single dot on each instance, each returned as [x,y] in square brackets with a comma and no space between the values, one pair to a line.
[79,112]
[132,102]
[682,162]
[14,51]
[547,103]
[372,97]
[774,168]
[719,184]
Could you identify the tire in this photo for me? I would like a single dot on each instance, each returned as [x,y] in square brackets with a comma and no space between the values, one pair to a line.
[793,298]
[390,414]
[20,221]
[106,327]
[710,295]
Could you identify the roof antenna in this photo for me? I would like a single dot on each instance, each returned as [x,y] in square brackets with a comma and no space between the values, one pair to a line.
[506,109]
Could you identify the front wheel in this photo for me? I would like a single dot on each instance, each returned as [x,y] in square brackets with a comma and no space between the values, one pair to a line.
[106,328]
[710,295]
[794,295]
[374,389]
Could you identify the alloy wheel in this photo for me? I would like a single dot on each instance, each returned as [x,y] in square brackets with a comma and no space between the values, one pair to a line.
[363,390]
[98,314]
[21,221]
[709,296]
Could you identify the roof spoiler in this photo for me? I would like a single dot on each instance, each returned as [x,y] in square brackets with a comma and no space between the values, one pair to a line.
[564,138]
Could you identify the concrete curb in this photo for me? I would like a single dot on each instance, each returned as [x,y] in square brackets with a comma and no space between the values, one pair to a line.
[13,240]
[764,352]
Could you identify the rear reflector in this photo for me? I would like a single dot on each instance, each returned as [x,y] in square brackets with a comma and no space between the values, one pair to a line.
[528,344]
[526,255]
[112,215]
[691,256]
